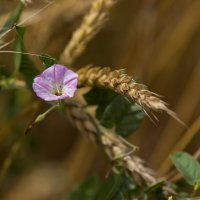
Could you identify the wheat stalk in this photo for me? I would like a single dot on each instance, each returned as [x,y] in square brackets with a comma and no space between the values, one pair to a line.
[121,83]
[91,24]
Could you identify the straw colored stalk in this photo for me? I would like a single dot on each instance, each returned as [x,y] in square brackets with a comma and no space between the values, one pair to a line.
[181,144]
[118,150]
[121,83]
[91,24]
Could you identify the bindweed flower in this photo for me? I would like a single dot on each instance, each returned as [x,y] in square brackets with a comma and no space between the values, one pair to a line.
[55,83]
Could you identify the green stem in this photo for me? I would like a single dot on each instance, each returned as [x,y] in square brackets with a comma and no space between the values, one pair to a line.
[43,115]
[196,187]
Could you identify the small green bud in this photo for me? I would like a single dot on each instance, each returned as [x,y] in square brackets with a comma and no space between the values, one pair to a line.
[170,198]
[39,118]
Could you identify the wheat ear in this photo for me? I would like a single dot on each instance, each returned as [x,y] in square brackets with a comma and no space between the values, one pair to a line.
[118,150]
[91,24]
[121,83]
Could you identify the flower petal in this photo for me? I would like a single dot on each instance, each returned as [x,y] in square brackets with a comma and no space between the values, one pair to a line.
[45,94]
[69,75]
[55,74]
[60,71]
[42,82]
[70,88]
[40,91]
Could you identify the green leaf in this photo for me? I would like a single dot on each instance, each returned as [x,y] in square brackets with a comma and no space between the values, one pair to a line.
[156,187]
[19,47]
[100,97]
[85,191]
[23,63]
[14,18]
[47,60]
[122,115]
[104,190]
[115,111]
[97,96]
[116,187]
[187,166]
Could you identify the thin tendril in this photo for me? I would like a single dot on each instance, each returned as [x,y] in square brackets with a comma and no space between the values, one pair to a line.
[25,20]
[34,14]
[6,44]
[3,34]
[19,52]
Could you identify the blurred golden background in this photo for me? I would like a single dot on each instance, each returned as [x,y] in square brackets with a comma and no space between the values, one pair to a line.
[158,42]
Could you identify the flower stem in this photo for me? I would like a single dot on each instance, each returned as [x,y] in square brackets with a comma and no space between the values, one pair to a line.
[40,117]
[43,115]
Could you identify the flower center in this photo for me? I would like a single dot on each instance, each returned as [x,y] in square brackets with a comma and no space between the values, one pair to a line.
[58,93]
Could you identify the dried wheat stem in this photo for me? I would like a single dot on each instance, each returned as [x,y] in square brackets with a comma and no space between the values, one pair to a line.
[120,82]
[118,150]
[91,24]
[9,159]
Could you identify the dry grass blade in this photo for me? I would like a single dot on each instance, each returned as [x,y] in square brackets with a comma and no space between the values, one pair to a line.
[8,161]
[120,82]
[90,26]
[185,109]
[5,44]
[181,144]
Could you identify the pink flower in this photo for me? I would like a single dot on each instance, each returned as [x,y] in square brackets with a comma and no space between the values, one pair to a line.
[55,83]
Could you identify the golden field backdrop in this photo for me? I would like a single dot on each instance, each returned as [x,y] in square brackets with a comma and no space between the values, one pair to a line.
[158,42]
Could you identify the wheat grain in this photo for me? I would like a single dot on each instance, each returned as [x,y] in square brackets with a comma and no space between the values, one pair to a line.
[117,149]
[91,24]
[120,82]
